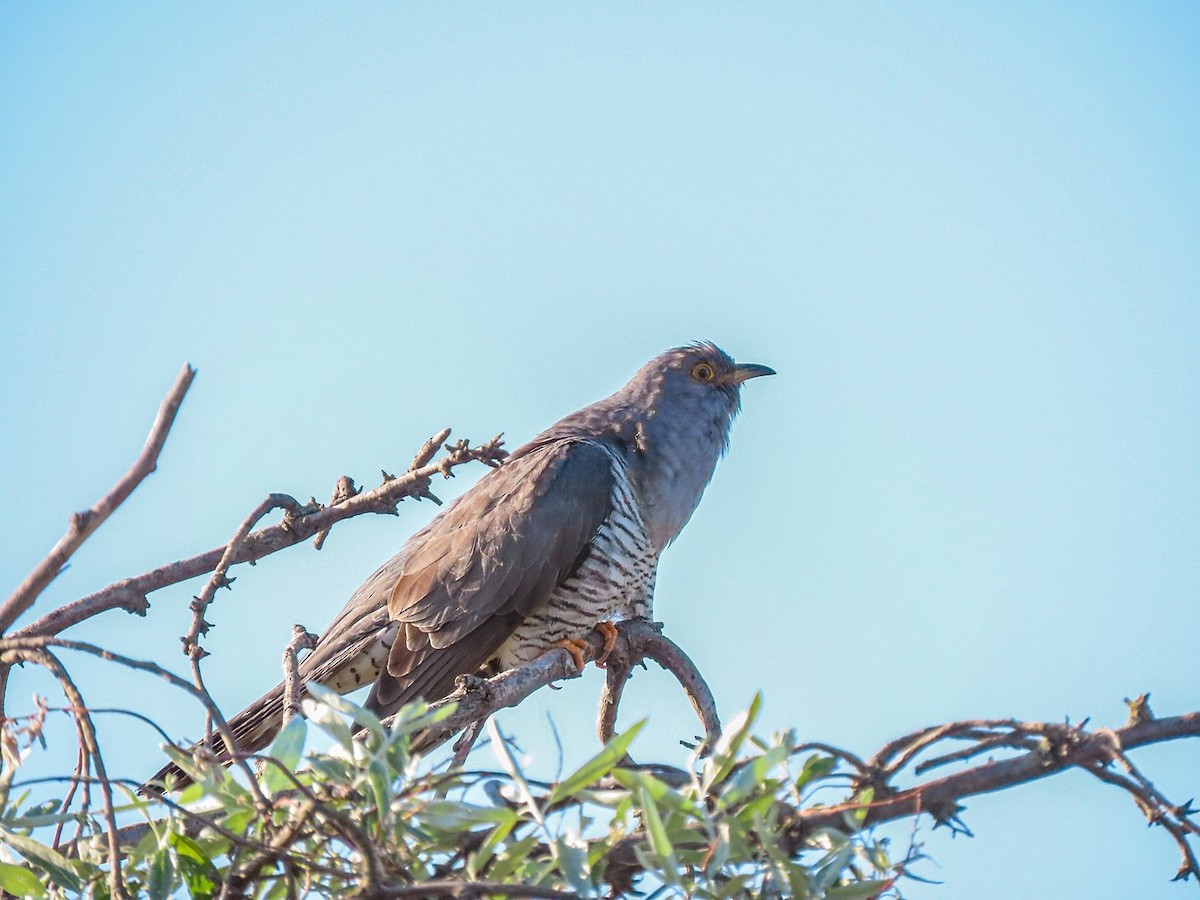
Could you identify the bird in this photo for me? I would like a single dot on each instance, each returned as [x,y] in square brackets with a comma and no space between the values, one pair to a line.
[561,539]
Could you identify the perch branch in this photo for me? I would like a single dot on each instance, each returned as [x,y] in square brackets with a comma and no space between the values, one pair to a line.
[478,698]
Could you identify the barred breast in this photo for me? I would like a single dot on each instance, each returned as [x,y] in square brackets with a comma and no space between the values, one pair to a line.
[615,580]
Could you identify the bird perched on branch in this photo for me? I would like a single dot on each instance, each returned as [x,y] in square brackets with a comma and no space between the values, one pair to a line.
[563,538]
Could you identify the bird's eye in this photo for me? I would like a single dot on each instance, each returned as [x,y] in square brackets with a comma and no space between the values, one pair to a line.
[702,371]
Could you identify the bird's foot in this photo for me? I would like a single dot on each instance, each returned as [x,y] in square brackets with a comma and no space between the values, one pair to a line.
[609,632]
[577,648]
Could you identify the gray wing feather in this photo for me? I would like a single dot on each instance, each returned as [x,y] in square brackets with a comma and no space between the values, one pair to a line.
[465,583]
[460,586]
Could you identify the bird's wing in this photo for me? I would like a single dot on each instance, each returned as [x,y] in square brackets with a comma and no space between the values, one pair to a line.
[461,586]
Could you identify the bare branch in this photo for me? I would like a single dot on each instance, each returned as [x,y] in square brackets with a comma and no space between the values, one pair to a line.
[243,875]
[343,490]
[302,639]
[1086,750]
[83,524]
[1157,814]
[90,754]
[13,647]
[466,741]
[130,593]
[219,579]
[478,698]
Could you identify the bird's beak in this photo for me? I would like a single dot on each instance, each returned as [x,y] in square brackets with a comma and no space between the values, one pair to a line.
[746,371]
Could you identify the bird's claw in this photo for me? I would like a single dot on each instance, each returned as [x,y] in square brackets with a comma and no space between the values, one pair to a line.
[609,632]
[577,648]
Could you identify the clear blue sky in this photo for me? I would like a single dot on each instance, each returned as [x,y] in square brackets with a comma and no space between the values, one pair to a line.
[966,235]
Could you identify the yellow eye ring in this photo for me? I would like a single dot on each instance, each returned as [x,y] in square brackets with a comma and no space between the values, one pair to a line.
[703,372]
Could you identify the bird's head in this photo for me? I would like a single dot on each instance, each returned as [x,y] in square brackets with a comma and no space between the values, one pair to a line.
[680,407]
[700,380]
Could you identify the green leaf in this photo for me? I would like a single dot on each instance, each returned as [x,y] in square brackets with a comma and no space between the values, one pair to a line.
[286,750]
[41,820]
[865,797]
[20,882]
[480,858]
[829,869]
[513,768]
[660,841]
[453,816]
[815,767]
[735,734]
[379,778]
[240,820]
[162,875]
[326,717]
[55,864]
[331,768]
[200,876]
[718,766]
[570,851]
[512,858]
[749,780]
[659,791]
[596,767]
[336,701]
[754,809]
[190,794]
[414,717]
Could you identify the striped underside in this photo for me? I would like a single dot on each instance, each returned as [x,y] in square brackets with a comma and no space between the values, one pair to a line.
[615,580]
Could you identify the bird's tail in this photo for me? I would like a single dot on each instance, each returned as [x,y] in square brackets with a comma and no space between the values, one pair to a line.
[253,729]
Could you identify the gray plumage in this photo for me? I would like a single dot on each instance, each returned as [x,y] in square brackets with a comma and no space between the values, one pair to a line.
[564,535]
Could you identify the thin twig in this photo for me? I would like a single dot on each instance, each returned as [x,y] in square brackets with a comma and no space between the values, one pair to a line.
[130,593]
[466,741]
[15,644]
[982,745]
[83,524]
[343,490]
[219,578]
[90,749]
[854,761]
[244,874]
[1156,813]
[302,639]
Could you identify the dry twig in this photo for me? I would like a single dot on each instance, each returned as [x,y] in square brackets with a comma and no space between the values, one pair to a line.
[302,639]
[83,524]
[130,594]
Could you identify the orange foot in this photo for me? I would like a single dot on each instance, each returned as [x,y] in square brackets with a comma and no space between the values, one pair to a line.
[576,648]
[609,632]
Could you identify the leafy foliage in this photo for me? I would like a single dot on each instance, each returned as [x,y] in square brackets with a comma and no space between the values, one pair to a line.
[370,814]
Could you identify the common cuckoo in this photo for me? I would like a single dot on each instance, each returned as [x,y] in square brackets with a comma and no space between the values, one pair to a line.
[564,537]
